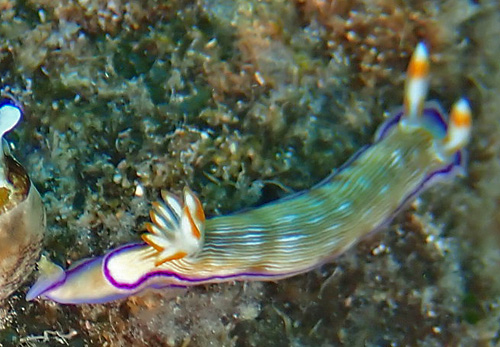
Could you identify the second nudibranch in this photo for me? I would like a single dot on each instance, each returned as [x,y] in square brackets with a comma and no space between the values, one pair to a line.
[412,150]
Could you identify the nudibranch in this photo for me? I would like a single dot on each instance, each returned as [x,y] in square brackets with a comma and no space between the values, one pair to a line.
[22,215]
[413,149]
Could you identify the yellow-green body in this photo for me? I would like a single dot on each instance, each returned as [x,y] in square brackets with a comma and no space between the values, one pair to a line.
[294,234]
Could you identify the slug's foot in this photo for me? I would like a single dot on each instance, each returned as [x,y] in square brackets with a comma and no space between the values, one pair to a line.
[177,228]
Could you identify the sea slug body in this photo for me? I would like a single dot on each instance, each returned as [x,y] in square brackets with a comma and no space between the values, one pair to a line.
[22,215]
[412,150]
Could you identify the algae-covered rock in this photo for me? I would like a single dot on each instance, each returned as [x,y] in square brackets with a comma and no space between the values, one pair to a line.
[246,101]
